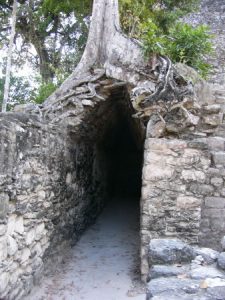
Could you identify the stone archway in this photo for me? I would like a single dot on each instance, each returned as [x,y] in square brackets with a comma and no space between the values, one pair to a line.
[53,183]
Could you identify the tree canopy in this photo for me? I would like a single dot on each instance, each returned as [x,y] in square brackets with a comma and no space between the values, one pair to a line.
[51,35]
[57,30]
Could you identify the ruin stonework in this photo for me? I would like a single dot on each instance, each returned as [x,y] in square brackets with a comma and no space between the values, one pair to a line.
[53,181]
[53,174]
[47,183]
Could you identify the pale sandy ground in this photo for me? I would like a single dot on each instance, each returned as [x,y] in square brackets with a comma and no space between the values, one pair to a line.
[104,264]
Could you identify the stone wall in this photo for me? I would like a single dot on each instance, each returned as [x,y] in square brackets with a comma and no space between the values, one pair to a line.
[51,188]
[213,209]
[54,172]
[183,181]
[174,177]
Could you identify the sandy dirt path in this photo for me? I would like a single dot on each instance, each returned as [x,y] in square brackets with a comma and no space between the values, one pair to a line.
[104,263]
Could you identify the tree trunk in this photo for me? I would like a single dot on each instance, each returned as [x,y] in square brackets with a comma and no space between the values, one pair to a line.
[107,47]
[9,58]
[47,75]
[153,82]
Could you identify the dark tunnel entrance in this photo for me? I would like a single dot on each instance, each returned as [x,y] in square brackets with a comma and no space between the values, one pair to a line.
[121,145]
[125,162]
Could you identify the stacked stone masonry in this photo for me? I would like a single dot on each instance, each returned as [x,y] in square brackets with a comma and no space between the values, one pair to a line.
[46,198]
[174,176]
[53,178]
[180,271]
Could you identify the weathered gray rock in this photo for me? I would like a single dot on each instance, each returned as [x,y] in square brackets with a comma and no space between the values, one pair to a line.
[223,243]
[166,271]
[12,246]
[216,293]
[169,251]
[203,272]
[171,284]
[4,279]
[209,255]
[4,204]
[3,249]
[2,229]
[221,261]
[178,296]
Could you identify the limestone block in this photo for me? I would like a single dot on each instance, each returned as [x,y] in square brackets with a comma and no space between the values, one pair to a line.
[19,226]
[15,275]
[157,271]
[172,287]
[190,156]
[164,144]
[155,173]
[4,280]
[24,255]
[3,248]
[212,120]
[88,103]
[4,204]
[169,251]
[215,202]
[221,261]
[41,195]
[203,272]
[12,245]
[155,130]
[216,143]
[39,231]
[201,189]
[148,191]
[37,250]
[217,181]
[223,243]
[158,158]
[186,202]
[3,229]
[216,288]
[211,109]
[193,175]
[219,158]
[30,237]
[209,255]
[11,224]
[68,178]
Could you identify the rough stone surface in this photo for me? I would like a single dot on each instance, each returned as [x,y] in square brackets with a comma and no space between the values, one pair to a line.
[188,281]
[221,260]
[44,210]
[209,255]
[223,243]
[52,178]
[169,251]
[175,183]
[165,271]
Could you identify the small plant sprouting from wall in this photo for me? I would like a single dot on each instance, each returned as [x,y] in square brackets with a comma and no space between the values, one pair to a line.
[158,25]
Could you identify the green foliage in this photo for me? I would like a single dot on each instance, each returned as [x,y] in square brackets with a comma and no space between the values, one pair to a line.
[53,28]
[157,24]
[183,43]
[190,45]
[163,13]
[67,6]
[44,91]
[21,90]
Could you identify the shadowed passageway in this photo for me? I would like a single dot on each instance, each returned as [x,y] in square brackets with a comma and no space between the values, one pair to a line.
[104,264]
